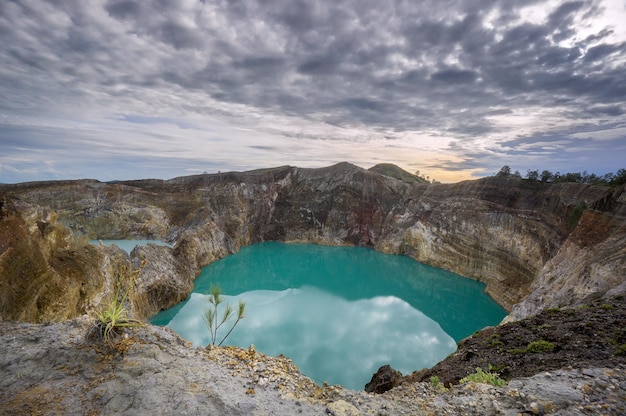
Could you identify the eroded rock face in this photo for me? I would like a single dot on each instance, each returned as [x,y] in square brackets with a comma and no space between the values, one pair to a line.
[46,273]
[163,279]
[588,265]
[521,238]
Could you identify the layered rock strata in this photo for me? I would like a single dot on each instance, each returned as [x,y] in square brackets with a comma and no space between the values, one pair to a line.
[534,245]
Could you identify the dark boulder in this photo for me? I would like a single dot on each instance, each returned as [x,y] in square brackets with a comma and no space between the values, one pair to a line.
[384,380]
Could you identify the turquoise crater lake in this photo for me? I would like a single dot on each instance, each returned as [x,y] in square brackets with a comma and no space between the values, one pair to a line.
[339,312]
[129,245]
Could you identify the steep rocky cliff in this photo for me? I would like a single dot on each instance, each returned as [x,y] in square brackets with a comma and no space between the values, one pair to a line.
[538,244]
[46,273]
[589,263]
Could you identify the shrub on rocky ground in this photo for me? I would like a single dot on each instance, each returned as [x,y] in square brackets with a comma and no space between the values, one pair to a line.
[485,377]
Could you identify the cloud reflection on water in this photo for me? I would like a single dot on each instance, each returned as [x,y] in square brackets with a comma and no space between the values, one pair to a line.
[330,338]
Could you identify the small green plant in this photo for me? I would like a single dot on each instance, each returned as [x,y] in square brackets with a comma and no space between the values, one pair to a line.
[534,347]
[436,383]
[553,310]
[486,377]
[211,314]
[540,346]
[494,341]
[617,336]
[114,317]
[621,350]
[497,368]
[577,213]
[606,306]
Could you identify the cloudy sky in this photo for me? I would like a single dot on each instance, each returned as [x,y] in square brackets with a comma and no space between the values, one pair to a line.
[125,89]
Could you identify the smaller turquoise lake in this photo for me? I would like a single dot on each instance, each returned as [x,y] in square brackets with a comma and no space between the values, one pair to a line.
[129,245]
[338,312]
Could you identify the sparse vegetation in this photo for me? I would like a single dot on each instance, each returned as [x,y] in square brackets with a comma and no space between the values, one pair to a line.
[394,171]
[494,341]
[517,351]
[576,214]
[535,347]
[114,317]
[211,314]
[505,172]
[617,337]
[540,346]
[609,179]
[436,383]
[497,368]
[588,336]
[486,377]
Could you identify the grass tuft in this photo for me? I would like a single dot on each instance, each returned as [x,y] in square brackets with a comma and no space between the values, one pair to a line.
[485,377]
[114,318]
[540,346]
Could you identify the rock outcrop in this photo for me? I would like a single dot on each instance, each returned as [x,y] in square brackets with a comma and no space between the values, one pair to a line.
[584,336]
[533,244]
[51,369]
[47,274]
[384,380]
[590,262]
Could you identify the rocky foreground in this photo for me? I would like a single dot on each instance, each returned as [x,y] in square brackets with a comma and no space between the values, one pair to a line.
[59,369]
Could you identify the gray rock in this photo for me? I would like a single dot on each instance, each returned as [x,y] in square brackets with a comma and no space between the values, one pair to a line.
[50,369]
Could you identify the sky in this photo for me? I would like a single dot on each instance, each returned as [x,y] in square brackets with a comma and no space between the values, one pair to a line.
[454,89]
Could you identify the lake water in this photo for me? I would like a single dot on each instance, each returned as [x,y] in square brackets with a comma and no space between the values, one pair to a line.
[338,312]
[129,245]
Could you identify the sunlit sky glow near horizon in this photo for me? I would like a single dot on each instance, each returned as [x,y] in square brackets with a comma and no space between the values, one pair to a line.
[455,89]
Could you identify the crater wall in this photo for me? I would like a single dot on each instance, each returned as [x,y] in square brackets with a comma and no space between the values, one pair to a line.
[535,245]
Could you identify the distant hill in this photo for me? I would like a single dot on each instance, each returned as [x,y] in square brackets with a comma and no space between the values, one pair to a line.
[389,169]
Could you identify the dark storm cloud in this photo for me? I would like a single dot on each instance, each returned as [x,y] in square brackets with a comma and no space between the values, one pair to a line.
[604,110]
[381,65]
[535,144]
[342,50]
[124,9]
[455,76]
